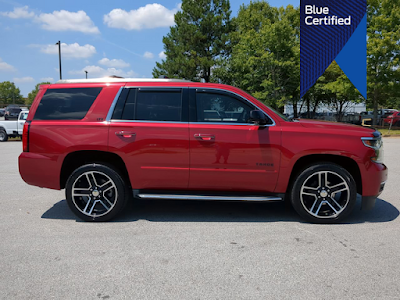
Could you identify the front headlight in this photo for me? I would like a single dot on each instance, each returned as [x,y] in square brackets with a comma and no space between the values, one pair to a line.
[376,144]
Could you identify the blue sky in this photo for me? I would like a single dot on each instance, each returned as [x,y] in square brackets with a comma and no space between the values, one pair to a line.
[118,37]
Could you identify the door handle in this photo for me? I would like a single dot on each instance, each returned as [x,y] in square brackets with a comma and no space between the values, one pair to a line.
[204,137]
[125,134]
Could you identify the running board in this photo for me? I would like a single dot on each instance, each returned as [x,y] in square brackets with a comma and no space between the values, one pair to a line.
[216,198]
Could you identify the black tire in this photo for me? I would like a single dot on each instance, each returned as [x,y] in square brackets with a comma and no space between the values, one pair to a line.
[3,135]
[324,193]
[102,198]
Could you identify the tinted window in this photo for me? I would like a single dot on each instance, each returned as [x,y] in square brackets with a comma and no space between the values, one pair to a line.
[129,108]
[66,104]
[158,106]
[221,108]
[119,107]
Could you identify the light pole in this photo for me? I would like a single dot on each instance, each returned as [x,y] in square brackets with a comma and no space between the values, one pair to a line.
[59,56]
[86,73]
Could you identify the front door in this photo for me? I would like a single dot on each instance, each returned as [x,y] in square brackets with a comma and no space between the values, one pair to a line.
[226,151]
[149,132]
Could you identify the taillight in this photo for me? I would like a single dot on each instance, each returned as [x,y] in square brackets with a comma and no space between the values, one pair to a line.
[25,137]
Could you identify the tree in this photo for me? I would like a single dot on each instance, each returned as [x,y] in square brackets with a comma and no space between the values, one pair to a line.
[340,91]
[33,93]
[383,51]
[265,59]
[10,94]
[198,39]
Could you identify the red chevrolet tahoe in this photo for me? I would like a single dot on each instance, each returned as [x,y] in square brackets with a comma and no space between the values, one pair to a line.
[108,140]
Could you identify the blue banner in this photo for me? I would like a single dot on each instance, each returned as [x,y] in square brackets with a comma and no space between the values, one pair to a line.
[333,30]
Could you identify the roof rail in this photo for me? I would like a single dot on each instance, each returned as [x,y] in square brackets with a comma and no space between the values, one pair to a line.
[113,79]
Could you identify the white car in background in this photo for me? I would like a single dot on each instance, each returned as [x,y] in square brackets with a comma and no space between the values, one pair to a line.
[13,128]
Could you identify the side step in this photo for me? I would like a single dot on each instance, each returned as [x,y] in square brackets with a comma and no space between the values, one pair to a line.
[216,198]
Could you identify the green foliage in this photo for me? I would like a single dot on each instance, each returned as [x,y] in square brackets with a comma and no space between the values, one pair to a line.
[342,93]
[383,50]
[10,94]
[33,93]
[198,39]
[265,58]
[334,90]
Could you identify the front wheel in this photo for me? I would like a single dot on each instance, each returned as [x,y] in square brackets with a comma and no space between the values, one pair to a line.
[324,193]
[96,192]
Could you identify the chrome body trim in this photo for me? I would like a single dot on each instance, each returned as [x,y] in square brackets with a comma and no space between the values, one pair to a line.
[141,121]
[111,110]
[108,119]
[215,198]
[227,123]
[190,123]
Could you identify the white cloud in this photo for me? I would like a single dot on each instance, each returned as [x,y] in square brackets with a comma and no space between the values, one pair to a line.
[97,71]
[61,20]
[70,50]
[64,20]
[19,13]
[47,79]
[149,16]
[23,79]
[148,54]
[162,55]
[113,63]
[6,67]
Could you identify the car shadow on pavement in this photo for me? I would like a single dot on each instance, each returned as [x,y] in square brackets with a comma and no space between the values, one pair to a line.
[213,211]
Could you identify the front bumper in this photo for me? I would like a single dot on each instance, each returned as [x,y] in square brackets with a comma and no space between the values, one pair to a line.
[373,185]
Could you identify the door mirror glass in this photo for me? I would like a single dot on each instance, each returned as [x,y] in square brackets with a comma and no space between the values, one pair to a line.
[258,117]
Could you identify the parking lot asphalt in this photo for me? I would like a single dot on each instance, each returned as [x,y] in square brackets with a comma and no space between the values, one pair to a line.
[194,250]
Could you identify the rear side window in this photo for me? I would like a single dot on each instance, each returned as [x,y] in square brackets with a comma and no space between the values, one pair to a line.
[158,106]
[66,104]
[164,105]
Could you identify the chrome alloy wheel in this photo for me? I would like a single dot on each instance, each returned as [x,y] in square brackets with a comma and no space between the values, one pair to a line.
[2,135]
[94,193]
[325,194]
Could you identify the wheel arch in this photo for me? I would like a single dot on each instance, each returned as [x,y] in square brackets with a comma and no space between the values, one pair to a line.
[345,162]
[79,158]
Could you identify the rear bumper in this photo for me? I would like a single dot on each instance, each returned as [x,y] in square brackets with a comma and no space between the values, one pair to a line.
[39,170]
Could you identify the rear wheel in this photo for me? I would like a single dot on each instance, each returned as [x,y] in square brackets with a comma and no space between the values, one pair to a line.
[324,193]
[3,135]
[96,192]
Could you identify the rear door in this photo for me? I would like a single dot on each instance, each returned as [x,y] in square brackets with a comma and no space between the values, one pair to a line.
[226,151]
[149,130]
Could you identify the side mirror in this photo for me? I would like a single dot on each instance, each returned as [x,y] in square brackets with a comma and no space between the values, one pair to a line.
[258,117]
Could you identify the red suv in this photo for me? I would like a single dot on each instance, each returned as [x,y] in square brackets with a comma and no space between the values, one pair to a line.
[108,140]
[393,119]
